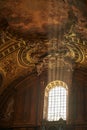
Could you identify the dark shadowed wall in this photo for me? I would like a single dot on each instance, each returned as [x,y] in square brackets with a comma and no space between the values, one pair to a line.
[21,105]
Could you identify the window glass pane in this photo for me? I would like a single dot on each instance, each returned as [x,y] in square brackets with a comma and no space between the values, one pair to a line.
[57,103]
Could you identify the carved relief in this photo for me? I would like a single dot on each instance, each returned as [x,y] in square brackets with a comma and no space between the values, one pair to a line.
[71,47]
[76,46]
[7,114]
[40,68]
[9,109]
[31,55]
[9,67]
[9,43]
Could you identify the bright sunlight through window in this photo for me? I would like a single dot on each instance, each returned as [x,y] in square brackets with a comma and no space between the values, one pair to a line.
[57,103]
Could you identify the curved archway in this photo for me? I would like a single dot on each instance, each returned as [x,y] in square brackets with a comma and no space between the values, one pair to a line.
[55,101]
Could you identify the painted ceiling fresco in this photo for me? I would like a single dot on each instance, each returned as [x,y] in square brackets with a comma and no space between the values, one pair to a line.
[29,30]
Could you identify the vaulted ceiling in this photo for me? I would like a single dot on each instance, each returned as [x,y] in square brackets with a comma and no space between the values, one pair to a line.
[30,30]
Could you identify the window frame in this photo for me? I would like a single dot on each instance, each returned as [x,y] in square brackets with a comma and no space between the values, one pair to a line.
[51,85]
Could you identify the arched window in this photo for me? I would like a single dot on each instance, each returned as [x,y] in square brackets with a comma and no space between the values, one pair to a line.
[55,101]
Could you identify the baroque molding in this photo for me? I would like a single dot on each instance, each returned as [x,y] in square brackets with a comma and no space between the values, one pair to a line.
[9,44]
[31,53]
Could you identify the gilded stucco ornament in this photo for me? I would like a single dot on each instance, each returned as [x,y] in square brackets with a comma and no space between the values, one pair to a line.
[71,50]
[9,44]
[31,54]
[77,47]
[70,47]
[9,67]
